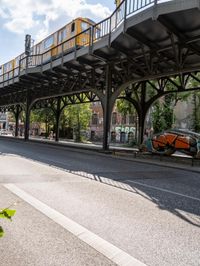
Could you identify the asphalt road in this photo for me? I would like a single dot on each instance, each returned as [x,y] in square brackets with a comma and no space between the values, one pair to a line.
[150,212]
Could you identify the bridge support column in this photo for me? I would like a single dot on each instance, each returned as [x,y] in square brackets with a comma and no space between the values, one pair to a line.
[107,108]
[141,120]
[16,114]
[142,113]
[141,106]
[27,115]
[57,114]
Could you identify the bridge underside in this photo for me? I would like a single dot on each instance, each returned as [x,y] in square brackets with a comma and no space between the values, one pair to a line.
[156,43]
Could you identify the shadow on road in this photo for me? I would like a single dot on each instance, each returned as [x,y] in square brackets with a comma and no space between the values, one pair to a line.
[118,173]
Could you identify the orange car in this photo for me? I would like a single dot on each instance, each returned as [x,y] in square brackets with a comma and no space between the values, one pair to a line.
[175,140]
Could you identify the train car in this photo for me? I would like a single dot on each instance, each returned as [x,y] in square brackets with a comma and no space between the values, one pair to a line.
[8,69]
[61,41]
[19,63]
[1,73]
[118,2]
[57,42]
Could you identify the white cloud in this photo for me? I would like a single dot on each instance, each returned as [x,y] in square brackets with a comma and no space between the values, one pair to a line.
[36,15]
[3,13]
[19,25]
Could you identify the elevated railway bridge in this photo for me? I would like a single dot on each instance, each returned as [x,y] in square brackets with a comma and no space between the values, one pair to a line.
[144,44]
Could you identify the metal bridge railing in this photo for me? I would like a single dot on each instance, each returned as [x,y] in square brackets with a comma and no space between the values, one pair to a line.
[105,27]
[72,44]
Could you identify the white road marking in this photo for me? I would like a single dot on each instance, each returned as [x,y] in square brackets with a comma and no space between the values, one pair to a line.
[110,251]
[162,189]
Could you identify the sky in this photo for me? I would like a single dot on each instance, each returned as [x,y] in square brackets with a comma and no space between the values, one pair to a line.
[39,18]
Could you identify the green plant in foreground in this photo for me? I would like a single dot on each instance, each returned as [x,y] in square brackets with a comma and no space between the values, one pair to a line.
[6,214]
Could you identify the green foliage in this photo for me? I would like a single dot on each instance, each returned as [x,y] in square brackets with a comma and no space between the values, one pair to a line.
[1,232]
[77,117]
[6,214]
[168,110]
[158,118]
[163,114]
[124,107]
[44,115]
[196,111]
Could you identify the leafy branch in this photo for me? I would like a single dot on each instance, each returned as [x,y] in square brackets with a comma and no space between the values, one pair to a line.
[6,214]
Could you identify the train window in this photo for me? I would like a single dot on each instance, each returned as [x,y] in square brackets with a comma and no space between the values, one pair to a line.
[17,61]
[1,70]
[73,27]
[48,42]
[62,35]
[84,26]
[7,67]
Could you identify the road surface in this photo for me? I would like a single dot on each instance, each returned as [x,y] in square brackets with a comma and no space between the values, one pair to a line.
[85,208]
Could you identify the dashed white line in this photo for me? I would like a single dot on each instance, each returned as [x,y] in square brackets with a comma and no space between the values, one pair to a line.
[162,189]
[110,251]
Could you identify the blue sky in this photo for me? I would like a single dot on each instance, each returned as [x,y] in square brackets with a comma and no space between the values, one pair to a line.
[40,18]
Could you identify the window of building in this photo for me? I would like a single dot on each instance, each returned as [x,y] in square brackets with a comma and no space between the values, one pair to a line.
[48,42]
[94,119]
[96,103]
[123,120]
[131,119]
[114,118]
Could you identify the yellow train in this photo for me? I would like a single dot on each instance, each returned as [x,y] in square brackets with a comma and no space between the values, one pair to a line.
[52,46]
[118,2]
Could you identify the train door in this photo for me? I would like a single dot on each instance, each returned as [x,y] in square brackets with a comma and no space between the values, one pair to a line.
[48,44]
[54,46]
[38,48]
[62,37]
[16,65]
[22,61]
[8,70]
[73,32]
[83,38]
[38,53]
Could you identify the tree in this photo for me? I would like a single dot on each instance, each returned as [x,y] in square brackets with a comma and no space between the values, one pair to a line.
[77,117]
[162,115]
[124,107]
[44,115]
[196,111]
[157,118]
[168,111]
